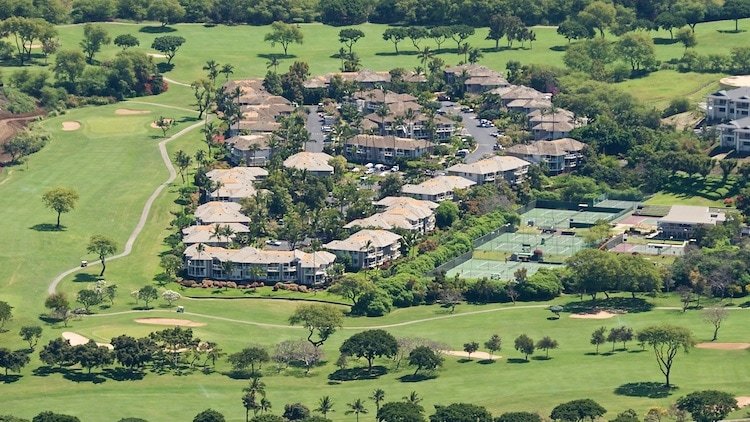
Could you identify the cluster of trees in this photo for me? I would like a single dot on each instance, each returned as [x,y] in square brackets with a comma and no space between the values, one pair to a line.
[600,15]
[594,271]
[25,143]
[701,406]
[174,348]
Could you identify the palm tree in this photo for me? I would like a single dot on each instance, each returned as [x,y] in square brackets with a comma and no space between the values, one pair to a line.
[474,55]
[200,249]
[265,405]
[377,396]
[256,387]
[249,403]
[425,55]
[464,49]
[209,130]
[412,398]
[356,407]
[227,267]
[410,115]
[227,70]
[325,405]
[382,112]
[200,157]
[342,55]
[273,62]
[213,70]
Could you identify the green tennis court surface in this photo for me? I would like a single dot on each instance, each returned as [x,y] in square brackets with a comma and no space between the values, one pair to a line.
[524,242]
[479,268]
[542,217]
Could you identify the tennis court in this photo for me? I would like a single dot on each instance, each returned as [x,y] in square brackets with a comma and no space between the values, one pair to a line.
[650,249]
[543,217]
[615,203]
[527,242]
[478,268]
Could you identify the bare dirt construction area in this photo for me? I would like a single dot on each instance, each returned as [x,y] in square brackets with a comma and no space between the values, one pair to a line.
[70,126]
[76,339]
[10,125]
[155,124]
[130,112]
[478,355]
[170,321]
[723,346]
[597,315]
[743,401]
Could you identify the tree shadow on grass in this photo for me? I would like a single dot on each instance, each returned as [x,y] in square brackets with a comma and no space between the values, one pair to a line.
[10,378]
[277,56]
[83,377]
[400,53]
[542,358]
[465,360]
[649,389]
[417,377]
[630,304]
[85,278]
[559,48]
[47,227]
[356,374]
[123,374]
[164,67]
[730,31]
[156,29]
[665,41]
[487,361]
[517,360]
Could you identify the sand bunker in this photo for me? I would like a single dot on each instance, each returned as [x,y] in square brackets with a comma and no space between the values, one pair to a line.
[723,346]
[76,339]
[478,355]
[130,112]
[169,321]
[156,126]
[157,55]
[70,126]
[598,315]
[743,401]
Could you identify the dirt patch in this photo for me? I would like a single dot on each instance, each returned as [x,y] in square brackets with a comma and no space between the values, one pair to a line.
[157,55]
[723,346]
[130,112]
[10,125]
[743,401]
[156,126]
[682,121]
[76,339]
[70,126]
[170,322]
[478,355]
[597,315]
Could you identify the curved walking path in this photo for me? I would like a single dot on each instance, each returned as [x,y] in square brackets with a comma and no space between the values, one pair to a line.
[144,214]
[172,81]
[162,105]
[367,327]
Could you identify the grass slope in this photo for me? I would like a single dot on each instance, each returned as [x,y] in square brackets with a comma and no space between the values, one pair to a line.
[509,384]
[243,46]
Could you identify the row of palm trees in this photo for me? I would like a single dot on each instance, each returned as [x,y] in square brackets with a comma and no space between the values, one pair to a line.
[255,400]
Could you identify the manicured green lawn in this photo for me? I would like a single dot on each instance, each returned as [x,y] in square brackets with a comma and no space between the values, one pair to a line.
[695,190]
[573,372]
[243,47]
[113,163]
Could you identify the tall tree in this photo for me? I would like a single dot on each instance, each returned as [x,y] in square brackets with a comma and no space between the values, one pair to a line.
[94,38]
[165,11]
[598,338]
[666,341]
[459,34]
[6,314]
[577,411]
[13,360]
[103,247]
[547,343]
[61,200]
[370,344]
[325,405]
[350,36]
[183,161]
[395,35]
[525,345]
[356,407]
[168,45]
[715,316]
[126,41]
[423,357]
[320,320]
[284,34]
[599,15]
[736,10]
[30,334]
[493,344]
[708,405]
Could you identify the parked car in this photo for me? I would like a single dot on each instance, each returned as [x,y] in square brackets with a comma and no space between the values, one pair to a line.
[462,153]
